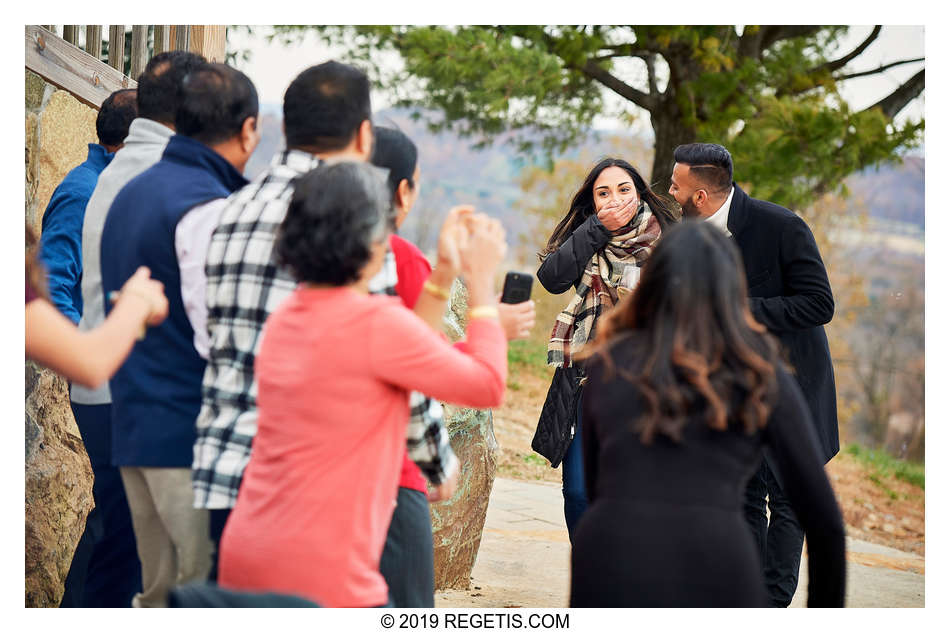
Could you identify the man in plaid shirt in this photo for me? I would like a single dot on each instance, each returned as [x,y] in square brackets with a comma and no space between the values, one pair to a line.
[326,117]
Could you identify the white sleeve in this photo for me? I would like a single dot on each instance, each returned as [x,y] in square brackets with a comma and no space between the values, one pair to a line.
[192,239]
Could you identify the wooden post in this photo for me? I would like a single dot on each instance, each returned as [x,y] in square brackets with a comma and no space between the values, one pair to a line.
[182,36]
[139,50]
[71,34]
[209,41]
[160,37]
[117,46]
[94,40]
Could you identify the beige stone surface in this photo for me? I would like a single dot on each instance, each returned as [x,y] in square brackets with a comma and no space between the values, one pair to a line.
[35,88]
[31,166]
[58,479]
[66,128]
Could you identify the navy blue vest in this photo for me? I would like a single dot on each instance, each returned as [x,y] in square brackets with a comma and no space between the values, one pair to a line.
[156,394]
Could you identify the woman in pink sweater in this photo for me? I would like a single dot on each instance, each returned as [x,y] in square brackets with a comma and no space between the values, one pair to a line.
[334,372]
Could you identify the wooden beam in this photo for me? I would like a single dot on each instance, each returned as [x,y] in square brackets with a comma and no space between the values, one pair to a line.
[209,41]
[182,35]
[161,39]
[117,46]
[139,50]
[94,40]
[67,67]
[71,34]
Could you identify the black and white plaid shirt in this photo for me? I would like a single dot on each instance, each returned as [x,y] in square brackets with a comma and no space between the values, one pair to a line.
[245,286]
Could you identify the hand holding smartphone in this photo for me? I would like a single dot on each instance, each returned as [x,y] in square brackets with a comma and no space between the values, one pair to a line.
[517,288]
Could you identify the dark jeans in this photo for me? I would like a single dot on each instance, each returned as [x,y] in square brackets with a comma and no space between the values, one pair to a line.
[778,537]
[572,474]
[216,521]
[407,561]
[105,570]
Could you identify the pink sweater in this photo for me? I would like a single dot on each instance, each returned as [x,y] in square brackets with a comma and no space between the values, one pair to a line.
[334,371]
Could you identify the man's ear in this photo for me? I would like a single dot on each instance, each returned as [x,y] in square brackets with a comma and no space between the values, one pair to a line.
[364,139]
[700,197]
[250,134]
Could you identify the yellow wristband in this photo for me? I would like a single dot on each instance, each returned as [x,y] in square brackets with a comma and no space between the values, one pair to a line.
[435,290]
[483,312]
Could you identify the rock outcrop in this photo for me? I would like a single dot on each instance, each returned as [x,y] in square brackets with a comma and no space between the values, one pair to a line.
[58,486]
[58,474]
[457,523]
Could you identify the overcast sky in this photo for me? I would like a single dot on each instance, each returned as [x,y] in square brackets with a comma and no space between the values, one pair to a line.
[272,67]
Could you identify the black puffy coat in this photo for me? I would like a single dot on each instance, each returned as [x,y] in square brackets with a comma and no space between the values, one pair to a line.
[559,272]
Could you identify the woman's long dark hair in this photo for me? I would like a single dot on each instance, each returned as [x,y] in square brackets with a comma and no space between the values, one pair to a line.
[699,344]
[582,205]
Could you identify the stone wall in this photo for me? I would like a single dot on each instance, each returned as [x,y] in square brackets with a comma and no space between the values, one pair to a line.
[58,494]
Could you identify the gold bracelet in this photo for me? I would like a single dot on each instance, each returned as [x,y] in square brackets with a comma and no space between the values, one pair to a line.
[435,290]
[483,312]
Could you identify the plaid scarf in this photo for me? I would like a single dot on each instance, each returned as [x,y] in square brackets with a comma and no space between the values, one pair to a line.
[597,290]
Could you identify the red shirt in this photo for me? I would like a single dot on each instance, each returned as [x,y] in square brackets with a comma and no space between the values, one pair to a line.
[412,270]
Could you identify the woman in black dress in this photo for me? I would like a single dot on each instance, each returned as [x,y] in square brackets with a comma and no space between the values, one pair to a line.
[685,393]
[611,226]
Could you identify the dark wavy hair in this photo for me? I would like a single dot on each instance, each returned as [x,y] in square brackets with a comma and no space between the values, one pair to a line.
[582,205]
[337,212]
[699,344]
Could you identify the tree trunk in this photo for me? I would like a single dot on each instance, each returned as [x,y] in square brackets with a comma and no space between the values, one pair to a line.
[669,132]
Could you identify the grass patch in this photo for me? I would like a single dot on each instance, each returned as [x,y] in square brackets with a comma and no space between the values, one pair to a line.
[885,465]
[532,458]
[529,355]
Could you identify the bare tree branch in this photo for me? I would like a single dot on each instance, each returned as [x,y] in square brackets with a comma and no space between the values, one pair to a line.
[904,94]
[597,73]
[842,62]
[773,34]
[875,71]
[651,74]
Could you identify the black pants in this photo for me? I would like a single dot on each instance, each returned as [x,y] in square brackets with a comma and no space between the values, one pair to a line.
[779,537]
[407,561]
[105,570]
[217,520]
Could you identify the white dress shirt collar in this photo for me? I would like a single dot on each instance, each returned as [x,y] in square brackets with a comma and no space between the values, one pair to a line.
[721,217]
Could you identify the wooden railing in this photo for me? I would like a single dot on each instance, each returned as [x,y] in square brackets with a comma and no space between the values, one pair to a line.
[91,74]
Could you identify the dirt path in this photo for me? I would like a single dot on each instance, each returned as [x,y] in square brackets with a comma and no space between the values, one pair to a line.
[887,511]
[524,559]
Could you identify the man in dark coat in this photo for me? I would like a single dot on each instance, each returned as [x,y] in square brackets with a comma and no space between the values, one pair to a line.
[789,294]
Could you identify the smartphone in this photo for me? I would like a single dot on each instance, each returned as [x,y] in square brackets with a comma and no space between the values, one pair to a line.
[517,288]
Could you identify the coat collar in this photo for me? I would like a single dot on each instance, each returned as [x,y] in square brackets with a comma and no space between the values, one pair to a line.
[191,153]
[739,211]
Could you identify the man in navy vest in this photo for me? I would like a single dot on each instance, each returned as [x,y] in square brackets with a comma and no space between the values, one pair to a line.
[160,220]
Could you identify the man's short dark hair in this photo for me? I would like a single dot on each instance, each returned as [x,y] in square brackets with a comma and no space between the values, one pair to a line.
[216,100]
[709,162]
[324,107]
[115,115]
[159,85]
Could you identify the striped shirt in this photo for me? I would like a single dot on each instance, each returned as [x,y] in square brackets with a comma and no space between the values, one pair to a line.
[244,286]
